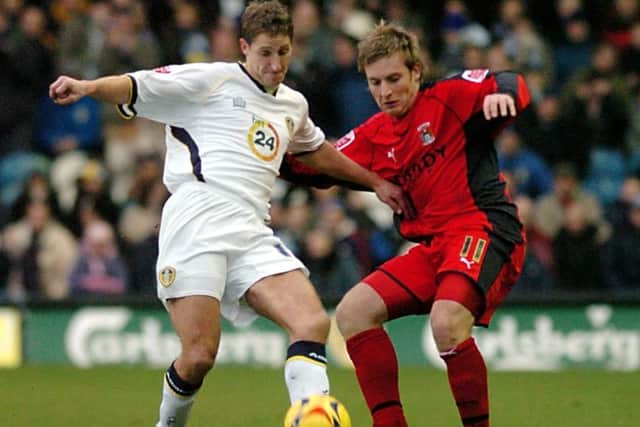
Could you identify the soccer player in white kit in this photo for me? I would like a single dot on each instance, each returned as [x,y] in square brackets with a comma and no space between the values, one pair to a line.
[228,125]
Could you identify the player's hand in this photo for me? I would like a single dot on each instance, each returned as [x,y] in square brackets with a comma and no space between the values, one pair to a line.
[66,90]
[498,105]
[395,197]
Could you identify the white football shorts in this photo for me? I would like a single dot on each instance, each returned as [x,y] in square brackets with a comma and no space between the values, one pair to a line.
[212,243]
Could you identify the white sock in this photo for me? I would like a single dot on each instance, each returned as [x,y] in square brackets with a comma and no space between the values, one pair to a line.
[177,399]
[174,409]
[305,371]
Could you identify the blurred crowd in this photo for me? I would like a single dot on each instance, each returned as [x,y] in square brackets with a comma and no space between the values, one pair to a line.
[81,189]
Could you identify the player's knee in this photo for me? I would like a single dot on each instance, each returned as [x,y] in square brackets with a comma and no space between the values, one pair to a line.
[448,332]
[199,358]
[312,326]
[451,323]
[351,318]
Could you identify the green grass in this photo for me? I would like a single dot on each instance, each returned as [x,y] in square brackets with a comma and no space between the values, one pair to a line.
[55,396]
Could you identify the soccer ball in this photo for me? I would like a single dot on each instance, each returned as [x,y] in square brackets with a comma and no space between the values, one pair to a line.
[317,411]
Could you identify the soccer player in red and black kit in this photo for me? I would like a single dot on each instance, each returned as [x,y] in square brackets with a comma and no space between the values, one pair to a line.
[436,141]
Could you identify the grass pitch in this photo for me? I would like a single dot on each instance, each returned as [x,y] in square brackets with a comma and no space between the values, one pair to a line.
[53,396]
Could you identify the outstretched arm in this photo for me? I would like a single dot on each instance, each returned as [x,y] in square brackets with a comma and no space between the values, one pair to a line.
[330,161]
[112,89]
[296,172]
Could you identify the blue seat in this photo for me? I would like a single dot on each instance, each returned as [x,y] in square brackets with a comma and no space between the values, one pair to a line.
[81,121]
[606,173]
[633,165]
[15,168]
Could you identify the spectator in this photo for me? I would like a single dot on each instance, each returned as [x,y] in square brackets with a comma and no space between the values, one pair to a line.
[618,213]
[351,100]
[193,45]
[99,269]
[129,43]
[138,225]
[550,208]
[26,65]
[312,39]
[497,59]
[332,265]
[630,58]
[93,200]
[510,13]
[458,33]
[596,102]
[64,11]
[311,59]
[623,254]
[375,239]
[42,253]
[400,12]
[633,133]
[577,253]
[526,47]
[536,278]
[618,23]
[296,219]
[222,41]
[545,131]
[574,50]
[532,176]
[37,187]
[81,40]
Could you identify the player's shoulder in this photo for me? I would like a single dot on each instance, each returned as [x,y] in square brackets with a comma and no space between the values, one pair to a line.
[376,127]
[476,75]
[287,92]
[226,68]
[196,69]
[377,120]
[454,87]
[462,78]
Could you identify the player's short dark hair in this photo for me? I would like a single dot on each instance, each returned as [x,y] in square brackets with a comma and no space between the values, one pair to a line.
[270,17]
[387,39]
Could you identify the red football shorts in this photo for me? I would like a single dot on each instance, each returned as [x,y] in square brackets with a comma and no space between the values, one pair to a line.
[410,283]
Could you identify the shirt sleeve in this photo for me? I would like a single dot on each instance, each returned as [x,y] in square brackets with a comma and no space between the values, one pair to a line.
[307,137]
[167,94]
[356,146]
[465,92]
[297,172]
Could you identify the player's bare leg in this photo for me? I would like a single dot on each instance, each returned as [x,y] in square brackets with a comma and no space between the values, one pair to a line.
[196,320]
[451,323]
[290,301]
[360,316]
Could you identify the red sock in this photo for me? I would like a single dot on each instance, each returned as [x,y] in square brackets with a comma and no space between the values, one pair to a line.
[468,380]
[376,365]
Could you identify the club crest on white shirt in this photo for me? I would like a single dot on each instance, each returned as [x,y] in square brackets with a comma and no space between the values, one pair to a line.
[166,276]
[290,124]
[264,141]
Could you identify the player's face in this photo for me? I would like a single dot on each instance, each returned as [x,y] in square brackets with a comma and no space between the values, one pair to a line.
[267,58]
[393,86]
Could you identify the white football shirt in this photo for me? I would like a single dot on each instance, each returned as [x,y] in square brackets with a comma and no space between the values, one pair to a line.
[222,128]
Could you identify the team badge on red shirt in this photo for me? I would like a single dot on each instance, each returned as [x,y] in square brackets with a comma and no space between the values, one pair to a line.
[475,76]
[426,135]
[345,141]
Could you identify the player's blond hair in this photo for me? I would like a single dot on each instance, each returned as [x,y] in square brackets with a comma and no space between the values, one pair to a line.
[270,17]
[387,39]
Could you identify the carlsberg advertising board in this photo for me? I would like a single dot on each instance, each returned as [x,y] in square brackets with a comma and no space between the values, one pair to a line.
[520,338]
